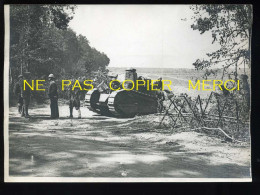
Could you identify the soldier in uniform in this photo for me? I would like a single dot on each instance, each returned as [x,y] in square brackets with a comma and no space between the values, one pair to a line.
[160,98]
[74,96]
[225,91]
[245,89]
[17,92]
[53,95]
[158,84]
[25,95]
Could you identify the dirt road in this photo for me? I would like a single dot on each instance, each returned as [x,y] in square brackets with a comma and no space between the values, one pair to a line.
[98,146]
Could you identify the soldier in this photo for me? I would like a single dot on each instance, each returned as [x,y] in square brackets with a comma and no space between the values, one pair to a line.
[159,84]
[74,99]
[74,96]
[160,98]
[103,87]
[53,95]
[225,91]
[17,92]
[25,95]
[245,89]
[115,84]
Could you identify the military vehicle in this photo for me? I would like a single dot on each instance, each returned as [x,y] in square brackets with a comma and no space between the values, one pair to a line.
[126,102]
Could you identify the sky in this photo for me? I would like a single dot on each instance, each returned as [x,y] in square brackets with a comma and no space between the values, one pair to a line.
[151,36]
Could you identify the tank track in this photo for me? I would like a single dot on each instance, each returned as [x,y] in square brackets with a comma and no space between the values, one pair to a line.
[91,100]
[122,103]
[140,103]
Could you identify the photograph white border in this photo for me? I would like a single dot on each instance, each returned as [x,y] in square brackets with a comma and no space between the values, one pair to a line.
[8,178]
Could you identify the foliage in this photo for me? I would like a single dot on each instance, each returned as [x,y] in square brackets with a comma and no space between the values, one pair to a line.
[230,26]
[42,43]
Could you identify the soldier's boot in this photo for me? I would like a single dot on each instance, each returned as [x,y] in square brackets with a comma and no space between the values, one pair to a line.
[71,112]
[19,109]
[22,112]
[26,112]
[79,114]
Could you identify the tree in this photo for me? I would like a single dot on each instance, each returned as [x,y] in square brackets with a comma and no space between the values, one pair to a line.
[42,43]
[29,26]
[230,26]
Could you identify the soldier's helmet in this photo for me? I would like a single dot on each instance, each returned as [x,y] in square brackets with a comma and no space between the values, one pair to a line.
[51,76]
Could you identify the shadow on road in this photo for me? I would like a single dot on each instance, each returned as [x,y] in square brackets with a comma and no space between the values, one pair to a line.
[98,146]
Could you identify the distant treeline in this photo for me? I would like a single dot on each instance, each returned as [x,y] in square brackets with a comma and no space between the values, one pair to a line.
[42,43]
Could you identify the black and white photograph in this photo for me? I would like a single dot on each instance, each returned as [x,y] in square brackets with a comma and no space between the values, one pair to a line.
[127,93]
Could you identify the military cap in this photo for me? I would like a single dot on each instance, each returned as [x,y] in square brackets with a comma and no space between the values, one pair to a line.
[51,76]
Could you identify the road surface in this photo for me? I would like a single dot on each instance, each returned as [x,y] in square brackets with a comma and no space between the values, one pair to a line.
[99,146]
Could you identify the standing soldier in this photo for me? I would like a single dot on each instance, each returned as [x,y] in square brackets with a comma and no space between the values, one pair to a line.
[160,83]
[18,94]
[74,96]
[53,95]
[160,98]
[246,90]
[25,95]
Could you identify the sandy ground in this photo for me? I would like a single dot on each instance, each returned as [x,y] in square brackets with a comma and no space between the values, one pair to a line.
[99,146]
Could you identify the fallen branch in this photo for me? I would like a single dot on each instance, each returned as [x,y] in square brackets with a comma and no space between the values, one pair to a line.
[229,138]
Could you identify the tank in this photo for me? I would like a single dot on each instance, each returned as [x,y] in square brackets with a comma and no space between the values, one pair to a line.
[123,102]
